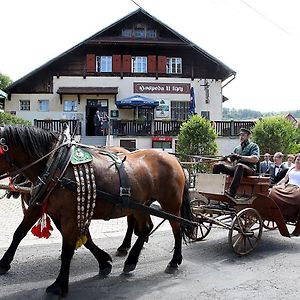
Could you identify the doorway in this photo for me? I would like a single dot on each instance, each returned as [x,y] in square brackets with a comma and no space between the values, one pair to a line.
[92,106]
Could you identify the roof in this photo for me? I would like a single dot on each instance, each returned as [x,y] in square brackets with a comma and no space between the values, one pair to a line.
[88,90]
[220,64]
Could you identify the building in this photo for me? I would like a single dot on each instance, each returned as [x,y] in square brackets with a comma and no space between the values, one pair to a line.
[139,71]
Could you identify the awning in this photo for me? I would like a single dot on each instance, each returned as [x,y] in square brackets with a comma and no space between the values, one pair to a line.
[86,91]
[136,101]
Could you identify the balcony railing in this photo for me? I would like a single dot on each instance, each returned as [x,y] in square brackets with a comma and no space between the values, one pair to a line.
[57,125]
[146,128]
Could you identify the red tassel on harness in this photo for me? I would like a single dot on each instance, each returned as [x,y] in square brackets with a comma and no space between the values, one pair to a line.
[43,227]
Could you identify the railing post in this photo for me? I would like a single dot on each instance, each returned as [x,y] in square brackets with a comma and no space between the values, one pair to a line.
[232,128]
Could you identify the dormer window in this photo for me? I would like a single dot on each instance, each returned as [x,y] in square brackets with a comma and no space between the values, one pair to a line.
[151,33]
[139,32]
[127,32]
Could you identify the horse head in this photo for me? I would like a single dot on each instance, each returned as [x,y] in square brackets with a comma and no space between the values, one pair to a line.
[21,146]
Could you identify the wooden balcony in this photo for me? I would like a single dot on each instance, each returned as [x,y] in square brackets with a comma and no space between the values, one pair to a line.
[146,128]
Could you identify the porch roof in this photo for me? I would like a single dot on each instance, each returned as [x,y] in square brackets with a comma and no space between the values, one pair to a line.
[87,90]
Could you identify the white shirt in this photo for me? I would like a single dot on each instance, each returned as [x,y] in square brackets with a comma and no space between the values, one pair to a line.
[294,177]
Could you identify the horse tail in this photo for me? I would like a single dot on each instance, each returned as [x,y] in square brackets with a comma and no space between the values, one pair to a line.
[188,230]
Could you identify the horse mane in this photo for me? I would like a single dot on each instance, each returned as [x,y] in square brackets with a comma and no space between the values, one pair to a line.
[35,141]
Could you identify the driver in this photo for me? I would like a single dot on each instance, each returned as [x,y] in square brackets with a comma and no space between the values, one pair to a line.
[244,160]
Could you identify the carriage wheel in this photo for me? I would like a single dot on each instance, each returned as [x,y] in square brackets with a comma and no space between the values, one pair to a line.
[245,231]
[203,228]
[271,225]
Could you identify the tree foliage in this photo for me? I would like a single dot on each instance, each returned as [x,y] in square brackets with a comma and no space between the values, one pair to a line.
[197,137]
[8,119]
[275,134]
[5,81]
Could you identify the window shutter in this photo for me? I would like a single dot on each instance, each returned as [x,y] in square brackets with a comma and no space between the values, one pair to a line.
[162,63]
[151,64]
[90,63]
[127,63]
[116,63]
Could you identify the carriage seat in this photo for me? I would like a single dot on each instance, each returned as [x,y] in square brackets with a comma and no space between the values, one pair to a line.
[251,185]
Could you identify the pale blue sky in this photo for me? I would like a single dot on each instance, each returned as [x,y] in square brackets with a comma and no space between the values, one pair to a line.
[259,39]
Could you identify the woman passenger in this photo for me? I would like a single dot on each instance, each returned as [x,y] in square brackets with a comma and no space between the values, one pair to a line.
[286,193]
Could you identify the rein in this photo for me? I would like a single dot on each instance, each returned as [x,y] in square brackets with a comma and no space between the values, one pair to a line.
[19,171]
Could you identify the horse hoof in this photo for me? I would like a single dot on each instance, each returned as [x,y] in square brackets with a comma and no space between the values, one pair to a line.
[128,268]
[122,252]
[55,291]
[4,269]
[48,296]
[171,268]
[105,271]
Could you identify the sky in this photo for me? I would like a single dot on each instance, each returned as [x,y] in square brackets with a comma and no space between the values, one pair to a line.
[259,39]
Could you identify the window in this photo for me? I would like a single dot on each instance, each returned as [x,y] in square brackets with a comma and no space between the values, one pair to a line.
[24,104]
[128,144]
[70,105]
[179,110]
[151,33]
[139,32]
[145,114]
[127,32]
[139,64]
[43,105]
[162,144]
[205,114]
[104,64]
[174,65]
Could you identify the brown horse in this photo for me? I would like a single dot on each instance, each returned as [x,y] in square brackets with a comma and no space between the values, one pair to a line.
[152,176]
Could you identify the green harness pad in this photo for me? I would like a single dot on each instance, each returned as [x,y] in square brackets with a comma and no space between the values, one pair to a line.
[80,156]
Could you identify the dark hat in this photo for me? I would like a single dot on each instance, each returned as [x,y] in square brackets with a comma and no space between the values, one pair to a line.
[245,130]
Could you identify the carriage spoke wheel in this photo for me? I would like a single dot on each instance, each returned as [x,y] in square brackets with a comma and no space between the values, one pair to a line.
[203,228]
[271,225]
[245,231]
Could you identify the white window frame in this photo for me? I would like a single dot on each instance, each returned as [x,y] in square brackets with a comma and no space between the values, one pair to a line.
[180,110]
[43,105]
[70,105]
[139,64]
[25,105]
[104,64]
[174,65]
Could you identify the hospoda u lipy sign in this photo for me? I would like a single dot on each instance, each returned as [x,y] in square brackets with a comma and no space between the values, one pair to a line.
[161,88]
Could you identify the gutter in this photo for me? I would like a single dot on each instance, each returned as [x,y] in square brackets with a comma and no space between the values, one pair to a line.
[231,79]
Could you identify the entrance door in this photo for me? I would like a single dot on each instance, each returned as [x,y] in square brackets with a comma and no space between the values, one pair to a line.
[92,106]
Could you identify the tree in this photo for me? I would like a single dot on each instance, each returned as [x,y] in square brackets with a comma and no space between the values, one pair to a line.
[275,134]
[196,137]
[5,81]
[8,119]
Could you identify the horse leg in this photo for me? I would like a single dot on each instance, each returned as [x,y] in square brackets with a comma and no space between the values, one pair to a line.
[143,228]
[102,257]
[60,286]
[126,244]
[30,217]
[177,254]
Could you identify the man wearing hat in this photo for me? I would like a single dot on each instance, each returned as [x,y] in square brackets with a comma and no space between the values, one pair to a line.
[244,160]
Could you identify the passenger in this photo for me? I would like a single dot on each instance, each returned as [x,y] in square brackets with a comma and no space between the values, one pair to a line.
[290,161]
[277,170]
[244,160]
[286,193]
[265,164]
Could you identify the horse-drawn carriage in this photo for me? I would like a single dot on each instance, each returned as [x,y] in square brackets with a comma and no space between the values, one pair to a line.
[244,216]
[75,183]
